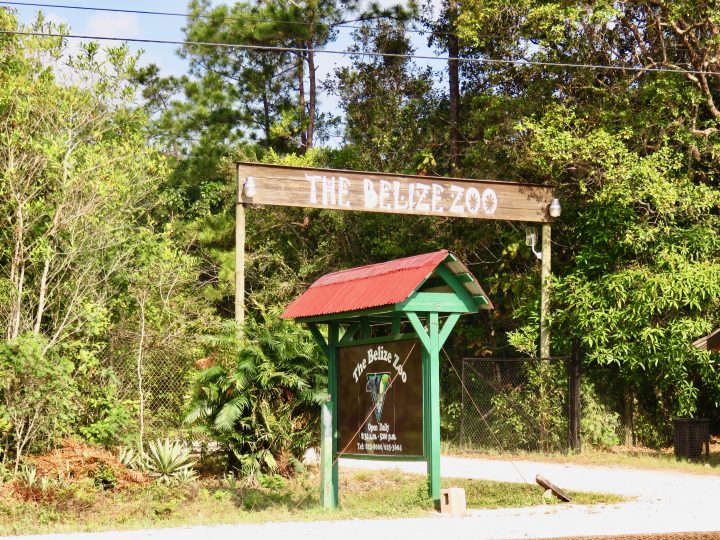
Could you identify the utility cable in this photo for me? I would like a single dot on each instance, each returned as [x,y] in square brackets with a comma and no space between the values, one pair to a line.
[268,48]
[343,24]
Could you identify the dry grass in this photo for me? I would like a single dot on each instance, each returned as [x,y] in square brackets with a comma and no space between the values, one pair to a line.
[363,495]
[76,460]
[635,457]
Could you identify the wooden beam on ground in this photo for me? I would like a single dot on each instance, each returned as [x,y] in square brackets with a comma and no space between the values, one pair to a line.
[547,484]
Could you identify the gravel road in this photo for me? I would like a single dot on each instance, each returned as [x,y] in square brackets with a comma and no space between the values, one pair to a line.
[664,502]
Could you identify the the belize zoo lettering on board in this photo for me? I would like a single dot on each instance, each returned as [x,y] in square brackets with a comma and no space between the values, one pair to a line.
[334,191]
[380,399]
[382,355]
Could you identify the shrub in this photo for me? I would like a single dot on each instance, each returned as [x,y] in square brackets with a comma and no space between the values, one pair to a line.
[532,416]
[599,426]
[168,461]
[106,419]
[36,396]
[105,478]
[263,408]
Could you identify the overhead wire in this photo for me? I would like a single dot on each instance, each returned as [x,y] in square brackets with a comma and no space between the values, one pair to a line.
[460,59]
[343,24]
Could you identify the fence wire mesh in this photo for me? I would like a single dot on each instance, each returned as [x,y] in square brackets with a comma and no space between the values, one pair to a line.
[157,394]
[512,404]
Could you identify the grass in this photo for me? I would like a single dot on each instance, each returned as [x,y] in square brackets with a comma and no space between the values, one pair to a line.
[363,494]
[629,457]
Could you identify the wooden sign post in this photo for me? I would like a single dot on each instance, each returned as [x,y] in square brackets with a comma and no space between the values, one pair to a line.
[398,194]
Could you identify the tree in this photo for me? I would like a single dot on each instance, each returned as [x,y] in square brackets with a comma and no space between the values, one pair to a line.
[390,105]
[633,156]
[79,199]
[75,184]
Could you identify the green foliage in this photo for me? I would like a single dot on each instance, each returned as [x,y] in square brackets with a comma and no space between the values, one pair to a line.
[116,245]
[599,426]
[79,192]
[37,392]
[108,420]
[391,107]
[129,457]
[168,461]
[532,415]
[105,477]
[260,402]
[642,284]
[28,476]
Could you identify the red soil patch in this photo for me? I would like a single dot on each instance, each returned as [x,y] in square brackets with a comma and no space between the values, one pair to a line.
[75,460]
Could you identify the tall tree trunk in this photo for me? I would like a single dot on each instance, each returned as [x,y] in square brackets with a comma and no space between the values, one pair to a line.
[42,296]
[312,101]
[17,265]
[266,115]
[301,101]
[454,88]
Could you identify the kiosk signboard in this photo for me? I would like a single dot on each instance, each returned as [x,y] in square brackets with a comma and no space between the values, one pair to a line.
[380,399]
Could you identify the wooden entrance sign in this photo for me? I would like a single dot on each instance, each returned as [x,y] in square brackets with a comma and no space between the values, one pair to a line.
[386,324]
[396,194]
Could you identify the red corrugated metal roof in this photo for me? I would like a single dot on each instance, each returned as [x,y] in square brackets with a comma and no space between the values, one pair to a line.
[365,287]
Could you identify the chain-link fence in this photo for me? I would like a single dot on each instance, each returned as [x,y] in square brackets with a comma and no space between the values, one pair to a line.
[512,404]
[157,394]
[545,405]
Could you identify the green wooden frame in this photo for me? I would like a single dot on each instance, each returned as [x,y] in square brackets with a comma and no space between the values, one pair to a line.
[423,312]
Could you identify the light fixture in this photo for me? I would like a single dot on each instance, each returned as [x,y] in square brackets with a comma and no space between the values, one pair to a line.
[531,240]
[250,187]
[555,208]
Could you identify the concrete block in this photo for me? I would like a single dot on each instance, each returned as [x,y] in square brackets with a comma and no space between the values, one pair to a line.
[452,501]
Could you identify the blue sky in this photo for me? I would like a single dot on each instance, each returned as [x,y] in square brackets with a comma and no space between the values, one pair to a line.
[85,22]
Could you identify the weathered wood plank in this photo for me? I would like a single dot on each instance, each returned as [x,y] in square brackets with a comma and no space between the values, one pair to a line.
[392,193]
[548,485]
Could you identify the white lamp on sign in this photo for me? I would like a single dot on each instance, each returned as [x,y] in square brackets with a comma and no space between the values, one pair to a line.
[531,240]
[555,208]
[250,187]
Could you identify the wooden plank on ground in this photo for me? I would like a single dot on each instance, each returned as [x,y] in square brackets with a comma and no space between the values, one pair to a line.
[547,484]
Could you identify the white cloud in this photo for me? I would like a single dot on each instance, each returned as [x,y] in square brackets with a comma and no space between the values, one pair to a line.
[55,18]
[113,25]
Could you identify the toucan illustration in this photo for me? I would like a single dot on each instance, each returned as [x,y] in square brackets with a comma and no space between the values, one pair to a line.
[377,385]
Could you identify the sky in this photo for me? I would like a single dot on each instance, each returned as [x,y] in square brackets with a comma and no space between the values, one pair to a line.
[85,22]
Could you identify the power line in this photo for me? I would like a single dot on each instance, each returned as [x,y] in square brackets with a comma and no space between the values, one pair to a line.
[204,16]
[269,48]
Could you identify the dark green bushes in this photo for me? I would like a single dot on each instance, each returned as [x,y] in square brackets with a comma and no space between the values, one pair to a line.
[259,402]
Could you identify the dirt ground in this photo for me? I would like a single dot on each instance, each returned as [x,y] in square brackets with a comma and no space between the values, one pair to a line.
[664,536]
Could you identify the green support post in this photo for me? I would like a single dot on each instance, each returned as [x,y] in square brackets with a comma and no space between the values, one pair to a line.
[328,442]
[433,463]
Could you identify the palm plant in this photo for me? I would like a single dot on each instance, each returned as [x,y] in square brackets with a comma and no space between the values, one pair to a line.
[263,409]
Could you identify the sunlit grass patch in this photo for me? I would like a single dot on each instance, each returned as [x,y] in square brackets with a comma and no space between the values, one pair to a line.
[363,495]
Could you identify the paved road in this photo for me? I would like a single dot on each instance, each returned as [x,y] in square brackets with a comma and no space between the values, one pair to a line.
[664,502]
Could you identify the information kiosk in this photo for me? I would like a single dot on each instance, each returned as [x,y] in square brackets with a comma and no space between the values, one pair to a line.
[386,324]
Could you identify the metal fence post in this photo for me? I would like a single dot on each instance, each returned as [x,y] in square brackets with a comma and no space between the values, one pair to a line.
[574,405]
[462,404]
